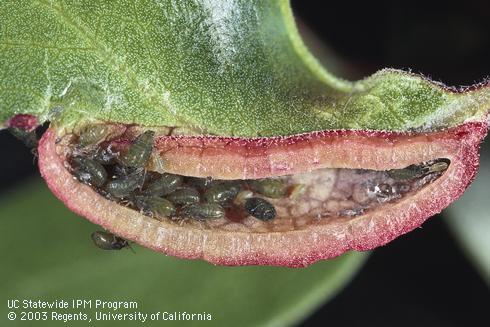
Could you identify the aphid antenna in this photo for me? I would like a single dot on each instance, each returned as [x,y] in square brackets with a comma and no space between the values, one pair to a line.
[126,203]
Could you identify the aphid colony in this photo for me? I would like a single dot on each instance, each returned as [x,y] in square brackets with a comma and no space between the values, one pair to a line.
[122,177]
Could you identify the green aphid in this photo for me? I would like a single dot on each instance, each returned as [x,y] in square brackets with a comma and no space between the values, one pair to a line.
[203,211]
[155,206]
[139,152]
[270,187]
[184,195]
[165,184]
[222,192]
[416,171]
[108,241]
[29,138]
[260,209]
[93,134]
[124,186]
[407,173]
[89,171]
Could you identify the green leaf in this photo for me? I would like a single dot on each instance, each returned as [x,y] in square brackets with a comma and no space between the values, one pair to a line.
[50,256]
[469,219]
[219,67]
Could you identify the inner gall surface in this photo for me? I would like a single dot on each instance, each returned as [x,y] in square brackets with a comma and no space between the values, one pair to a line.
[273,204]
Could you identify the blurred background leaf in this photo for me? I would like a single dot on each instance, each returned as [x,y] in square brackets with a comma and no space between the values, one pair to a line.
[469,217]
[48,254]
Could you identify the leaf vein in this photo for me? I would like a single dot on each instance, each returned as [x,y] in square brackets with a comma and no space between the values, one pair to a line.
[107,55]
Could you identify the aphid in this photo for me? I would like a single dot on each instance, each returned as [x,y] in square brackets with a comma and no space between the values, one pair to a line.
[203,211]
[407,173]
[93,134]
[125,185]
[222,192]
[89,171]
[29,138]
[184,195]
[155,206]
[416,171]
[139,152]
[108,241]
[260,208]
[269,187]
[165,184]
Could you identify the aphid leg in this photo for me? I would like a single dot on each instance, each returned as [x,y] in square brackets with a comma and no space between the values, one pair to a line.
[131,248]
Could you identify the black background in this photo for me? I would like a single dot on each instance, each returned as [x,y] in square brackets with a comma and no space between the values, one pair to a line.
[423,278]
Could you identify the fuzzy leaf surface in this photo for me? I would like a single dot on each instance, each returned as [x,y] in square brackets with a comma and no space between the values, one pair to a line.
[225,67]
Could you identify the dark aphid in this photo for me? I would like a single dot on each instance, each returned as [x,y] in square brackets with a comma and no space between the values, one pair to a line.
[407,173]
[165,184]
[260,208]
[199,183]
[108,241]
[269,187]
[125,185]
[184,195]
[29,138]
[93,134]
[89,171]
[139,152]
[203,211]
[155,206]
[222,192]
